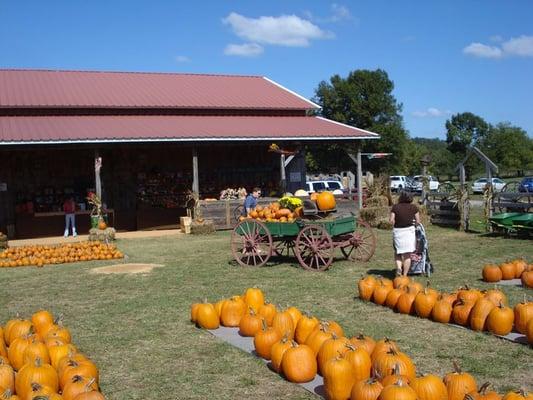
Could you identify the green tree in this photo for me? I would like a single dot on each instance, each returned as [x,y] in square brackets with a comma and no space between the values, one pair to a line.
[509,147]
[363,99]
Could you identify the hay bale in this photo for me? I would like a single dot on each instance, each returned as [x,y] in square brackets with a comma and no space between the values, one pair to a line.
[373,215]
[424,216]
[377,201]
[102,235]
[204,227]
[385,225]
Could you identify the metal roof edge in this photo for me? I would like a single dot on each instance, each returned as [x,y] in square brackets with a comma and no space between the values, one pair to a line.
[315,106]
[376,135]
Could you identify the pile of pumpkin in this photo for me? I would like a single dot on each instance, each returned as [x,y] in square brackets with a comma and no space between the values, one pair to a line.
[65,253]
[359,368]
[285,211]
[516,269]
[38,361]
[480,310]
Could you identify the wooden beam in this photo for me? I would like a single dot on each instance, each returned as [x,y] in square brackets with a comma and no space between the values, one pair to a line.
[359,180]
[97,179]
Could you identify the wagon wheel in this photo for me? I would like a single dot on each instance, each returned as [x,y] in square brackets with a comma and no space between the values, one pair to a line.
[447,192]
[238,212]
[314,248]
[284,248]
[251,243]
[362,243]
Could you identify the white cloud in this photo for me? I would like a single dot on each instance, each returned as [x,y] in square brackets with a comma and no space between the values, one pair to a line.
[431,112]
[338,13]
[182,59]
[521,46]
[483,51]
[285,30]
[243,50]
[496,38]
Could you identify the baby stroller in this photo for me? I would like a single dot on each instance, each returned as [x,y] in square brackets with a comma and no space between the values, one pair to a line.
[420,262]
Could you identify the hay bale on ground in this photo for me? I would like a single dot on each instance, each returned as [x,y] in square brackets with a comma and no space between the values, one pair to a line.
[377,201]
[424,216]
[373,215]
[385,225]
[102,235]
[204,227]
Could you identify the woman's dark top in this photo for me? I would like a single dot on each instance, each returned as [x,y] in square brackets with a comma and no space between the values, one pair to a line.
[404,214]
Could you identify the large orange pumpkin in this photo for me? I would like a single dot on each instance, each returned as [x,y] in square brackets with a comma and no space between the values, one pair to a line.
[326,201]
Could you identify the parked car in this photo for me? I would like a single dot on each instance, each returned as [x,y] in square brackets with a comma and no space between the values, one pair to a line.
[433,182]
[479,185]
[398,182]
[321,186]
[526,185]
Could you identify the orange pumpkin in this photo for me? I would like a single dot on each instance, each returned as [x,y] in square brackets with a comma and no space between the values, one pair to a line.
[299,363]
[102,225]
[264,340]
[326,201]
[527,278]
[306,325]
[491,273]
[233,310]
[250,323]
[267,311]
[277,352]
[523,313]
[330,349]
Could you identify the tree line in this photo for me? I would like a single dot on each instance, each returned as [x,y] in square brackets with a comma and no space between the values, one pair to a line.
[364,99]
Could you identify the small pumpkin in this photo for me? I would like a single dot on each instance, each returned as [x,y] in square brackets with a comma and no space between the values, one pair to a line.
[381,292]
[415,287]
[295,314]
[299,363]
[330,349]
[277,352]
[84,368]
[424,302]
[78,385]
[102,225]
[406,301]
[468,295]
[7,376]
[366,342]
[36,350]
[527,278]
[264,340]
[58,352]
[90,395]
[491,273]
[326,201]
[334,327]
[21,328]
[518,395]
[283,322]
[398,391]
[508,271]
[459,383]
[401,281]
[338,379]
[523,313]
[520,266]
[15,352]
[500,320]
[250,323]
[207,317]
[360,360]
[392,298]
[394,362]
[305,326]
[529,331]
[483,394]
[267,311]
[442,311]
[479,314]
[35,374]
[194,311]
[233,310]
[461,312]
[366,390]
[366,287]
[254,298]
[382,346]
[41,320]
[7,394]
[496,296]
[318,337]
[429,387]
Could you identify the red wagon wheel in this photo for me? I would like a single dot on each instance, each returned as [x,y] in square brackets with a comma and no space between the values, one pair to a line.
[251,243]
[314,248]
[284,248]
[362,243]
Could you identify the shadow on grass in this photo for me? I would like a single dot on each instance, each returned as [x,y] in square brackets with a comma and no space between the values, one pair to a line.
[386,273]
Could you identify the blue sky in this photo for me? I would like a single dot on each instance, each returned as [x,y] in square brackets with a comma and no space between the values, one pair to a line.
[443,56]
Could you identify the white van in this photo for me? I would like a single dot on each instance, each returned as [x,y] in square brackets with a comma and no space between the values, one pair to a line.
[322,186]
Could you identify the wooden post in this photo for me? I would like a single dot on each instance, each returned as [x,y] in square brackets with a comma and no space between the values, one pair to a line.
[283,177]
[97,179]
[491,193]
[424,183]
[359,180]
[195,182]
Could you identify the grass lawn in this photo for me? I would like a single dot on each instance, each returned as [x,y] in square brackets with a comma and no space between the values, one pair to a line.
[137,330]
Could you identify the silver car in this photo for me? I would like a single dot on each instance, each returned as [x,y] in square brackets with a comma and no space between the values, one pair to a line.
[479,185]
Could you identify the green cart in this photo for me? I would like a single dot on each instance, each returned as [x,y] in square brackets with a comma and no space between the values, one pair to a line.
[512,222]
[312,241]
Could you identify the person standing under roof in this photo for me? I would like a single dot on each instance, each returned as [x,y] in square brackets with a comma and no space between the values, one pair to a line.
[69,207]
[250,203]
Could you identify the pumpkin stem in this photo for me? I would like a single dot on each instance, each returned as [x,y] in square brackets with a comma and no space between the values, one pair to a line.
[264,324]
[483,388]
[38,362]
[396,369]
[456,367]
[350,346]
[89,384]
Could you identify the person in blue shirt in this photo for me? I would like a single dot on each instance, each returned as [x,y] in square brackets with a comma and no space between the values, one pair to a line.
[251,201]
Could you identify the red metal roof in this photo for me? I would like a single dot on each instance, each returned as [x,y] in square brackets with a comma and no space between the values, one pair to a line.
[98,129]
[45,88]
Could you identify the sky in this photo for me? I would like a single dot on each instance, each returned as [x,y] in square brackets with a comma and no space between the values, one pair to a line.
[444,57]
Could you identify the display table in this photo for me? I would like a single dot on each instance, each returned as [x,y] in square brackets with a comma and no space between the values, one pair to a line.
[42,224]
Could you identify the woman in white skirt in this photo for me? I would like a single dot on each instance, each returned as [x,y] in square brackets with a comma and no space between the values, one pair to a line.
[404,217]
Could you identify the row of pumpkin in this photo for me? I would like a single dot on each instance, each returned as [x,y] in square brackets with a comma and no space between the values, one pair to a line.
[40,255]
[480,310]
[516,269]
[359,368]
[39,362]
